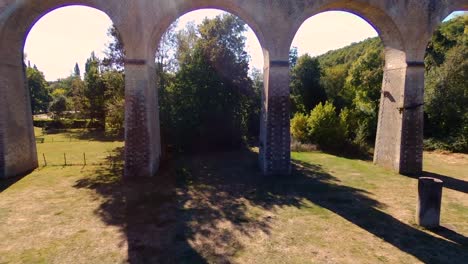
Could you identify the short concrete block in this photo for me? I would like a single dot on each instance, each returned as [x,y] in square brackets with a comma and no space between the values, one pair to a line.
[429,202]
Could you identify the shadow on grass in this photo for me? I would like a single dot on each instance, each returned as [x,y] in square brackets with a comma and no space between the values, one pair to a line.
[449,182]
[196,208]
[87,134]
[7,183]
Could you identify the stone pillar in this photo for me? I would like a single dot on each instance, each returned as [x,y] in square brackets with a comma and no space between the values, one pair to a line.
[411,151]
[275,138]
[142,134]
[399,142]
[18,155]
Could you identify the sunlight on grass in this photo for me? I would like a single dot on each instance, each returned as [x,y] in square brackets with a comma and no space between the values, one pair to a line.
[218,208]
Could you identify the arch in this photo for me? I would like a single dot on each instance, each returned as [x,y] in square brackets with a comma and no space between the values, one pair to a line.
[227,6]
[25,15]
[376,17]
[19,154]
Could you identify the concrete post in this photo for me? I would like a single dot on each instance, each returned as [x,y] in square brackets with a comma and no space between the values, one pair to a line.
[399,142]
[275,141]
[142,134]
[429,202]
[18,155]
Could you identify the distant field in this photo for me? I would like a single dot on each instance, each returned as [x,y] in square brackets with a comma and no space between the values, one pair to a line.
[218,209]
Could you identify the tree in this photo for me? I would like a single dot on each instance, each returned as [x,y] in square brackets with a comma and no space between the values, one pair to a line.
[115,101]
[38,90]
[362,92]
[209,100]
[94,91]
[115,52]
[293,56]
[446,89]
[58,106]
[447,96]
[305,85]
[76,71]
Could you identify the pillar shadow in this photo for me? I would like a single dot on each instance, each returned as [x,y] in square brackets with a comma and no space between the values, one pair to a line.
[193,211]
[451,235]
[449,182]
[7,183]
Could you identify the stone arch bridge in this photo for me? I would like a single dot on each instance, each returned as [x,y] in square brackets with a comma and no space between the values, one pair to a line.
[405,27]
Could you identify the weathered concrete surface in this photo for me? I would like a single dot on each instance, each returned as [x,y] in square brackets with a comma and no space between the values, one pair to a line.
[429,202]
[405,27]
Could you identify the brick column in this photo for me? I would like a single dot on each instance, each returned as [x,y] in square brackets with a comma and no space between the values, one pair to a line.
[399,143]
[275,138]
[18,154]
[142,134]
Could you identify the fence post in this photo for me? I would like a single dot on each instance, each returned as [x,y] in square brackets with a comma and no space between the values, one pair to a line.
[45,161]
[84,158]
[65,158]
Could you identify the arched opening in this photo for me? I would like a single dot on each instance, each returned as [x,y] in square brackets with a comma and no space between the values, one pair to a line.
[446,101]
[337,67]
[210,79]
[75,77]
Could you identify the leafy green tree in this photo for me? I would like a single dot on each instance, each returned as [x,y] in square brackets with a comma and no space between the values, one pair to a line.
[299,127]
[58,106]
[362,92]
[115,52]
[38,90]
[76,71]
[305,85]
[324,126]
[209,100]
[447,97]
[114,82]
[94,91]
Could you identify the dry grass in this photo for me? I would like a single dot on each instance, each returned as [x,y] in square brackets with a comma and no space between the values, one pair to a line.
[219,209]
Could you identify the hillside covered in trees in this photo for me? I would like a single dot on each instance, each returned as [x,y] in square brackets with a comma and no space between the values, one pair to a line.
[338,93]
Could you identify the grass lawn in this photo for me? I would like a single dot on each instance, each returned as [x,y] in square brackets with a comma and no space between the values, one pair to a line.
[217,208]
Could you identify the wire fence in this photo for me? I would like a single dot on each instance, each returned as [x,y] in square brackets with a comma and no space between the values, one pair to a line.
[80,159]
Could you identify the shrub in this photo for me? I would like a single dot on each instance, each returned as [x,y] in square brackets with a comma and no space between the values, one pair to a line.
[325,127]
[299,128]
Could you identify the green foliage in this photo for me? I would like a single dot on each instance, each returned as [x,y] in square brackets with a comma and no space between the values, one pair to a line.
[446,91]
[324,126]
[58,106]
[38,90]
[94,91]
[76,70]
[209,102]
[306,91]
[299,127]
[114,83]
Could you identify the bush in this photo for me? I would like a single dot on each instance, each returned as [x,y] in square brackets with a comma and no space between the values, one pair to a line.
[299,128]
[325,127]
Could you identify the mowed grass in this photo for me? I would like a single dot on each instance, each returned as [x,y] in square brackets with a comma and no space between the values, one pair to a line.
[218,208]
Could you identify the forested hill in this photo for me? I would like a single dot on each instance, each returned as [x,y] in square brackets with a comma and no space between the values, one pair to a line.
[349,54]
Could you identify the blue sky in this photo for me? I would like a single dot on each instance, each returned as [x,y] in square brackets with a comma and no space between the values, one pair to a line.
[57,41]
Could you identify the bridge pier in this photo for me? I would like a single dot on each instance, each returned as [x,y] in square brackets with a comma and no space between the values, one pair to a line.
[399,143]
[275,140]
[142,131]
[18,154]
